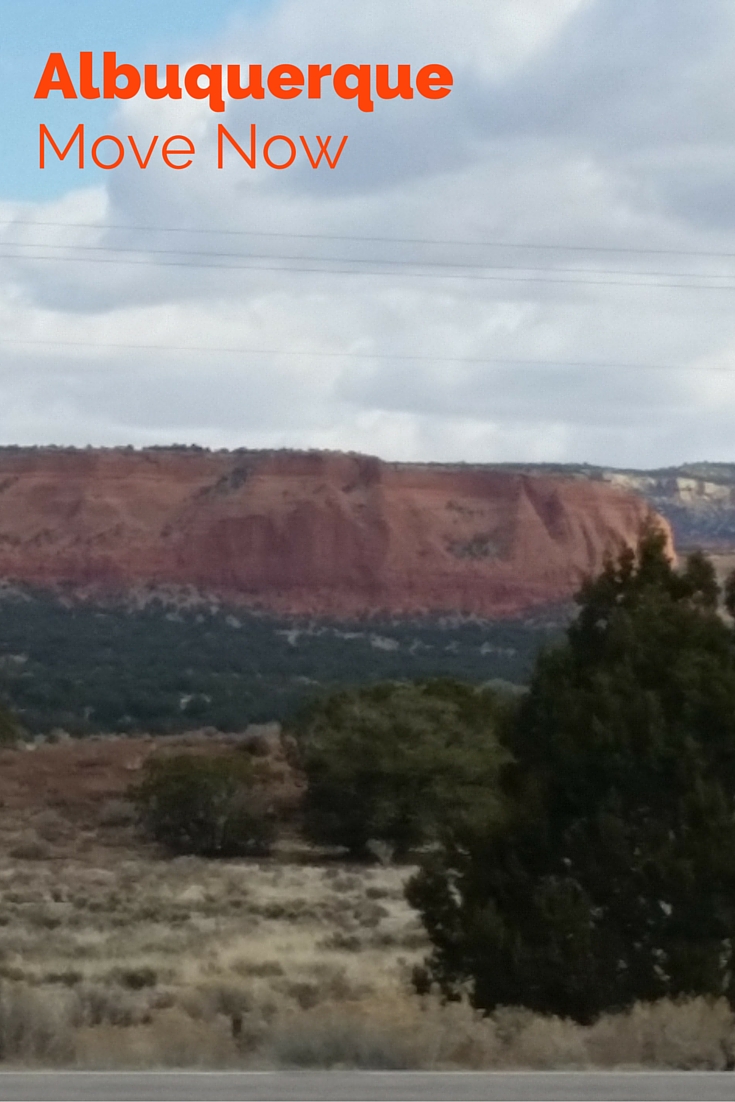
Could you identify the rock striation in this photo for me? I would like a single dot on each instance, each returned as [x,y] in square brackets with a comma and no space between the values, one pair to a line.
[307,533]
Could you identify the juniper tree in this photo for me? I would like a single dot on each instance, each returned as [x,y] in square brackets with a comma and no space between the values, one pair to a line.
[611,876]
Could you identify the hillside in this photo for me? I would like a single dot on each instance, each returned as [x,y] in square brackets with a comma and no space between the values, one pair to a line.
[295,533]
[697,499]
[159,589]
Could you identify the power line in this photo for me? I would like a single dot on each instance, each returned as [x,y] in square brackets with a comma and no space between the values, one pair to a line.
[491,361]
[377,239]
[348,260]
[357,272]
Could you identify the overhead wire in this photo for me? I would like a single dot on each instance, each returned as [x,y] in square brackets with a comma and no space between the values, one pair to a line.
[473,276]
[494,361]
[457,270]
[347,260]
[561,246]
[453,269]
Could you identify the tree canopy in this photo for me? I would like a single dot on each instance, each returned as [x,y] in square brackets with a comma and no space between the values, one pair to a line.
[611,875]
[392,761]
[10,728]
[211,806]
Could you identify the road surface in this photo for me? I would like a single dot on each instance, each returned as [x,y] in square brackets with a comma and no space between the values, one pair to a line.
[180,1086]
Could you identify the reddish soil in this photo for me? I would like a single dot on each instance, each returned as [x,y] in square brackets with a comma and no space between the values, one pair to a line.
[73,777]
[79,778]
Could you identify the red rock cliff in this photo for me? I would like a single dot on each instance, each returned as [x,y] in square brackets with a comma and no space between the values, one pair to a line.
[322,533]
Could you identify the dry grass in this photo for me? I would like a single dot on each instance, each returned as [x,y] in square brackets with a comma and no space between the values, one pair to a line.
[196,963]
[113,956]
[145,960]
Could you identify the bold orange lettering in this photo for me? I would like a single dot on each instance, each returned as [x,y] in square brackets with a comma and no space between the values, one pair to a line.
[269,143]
[55,78]
[172,88]
[316,73]
[86,81]
[255,86]
[120,151]
[402,89]
[78,135]
[111,72]
[285,81]
[222,134]
[359,91]
[149,154]
[167,152]
[323,151]
[434,81]
[213,89]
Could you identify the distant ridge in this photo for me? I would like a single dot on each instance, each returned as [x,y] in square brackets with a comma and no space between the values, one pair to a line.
[697,499]
[312,533]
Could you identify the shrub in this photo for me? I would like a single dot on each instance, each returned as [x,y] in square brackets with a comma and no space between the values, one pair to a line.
[210,806]
[336,1037]
[10,729]
[30,848]
[391,762]
[170,1040]
[116,813]
[688,1034]
[35,1027]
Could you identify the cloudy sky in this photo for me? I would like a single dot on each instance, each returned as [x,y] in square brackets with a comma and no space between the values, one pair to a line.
[540,266]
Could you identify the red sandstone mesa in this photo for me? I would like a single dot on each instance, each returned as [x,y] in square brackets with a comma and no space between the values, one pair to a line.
[306,532]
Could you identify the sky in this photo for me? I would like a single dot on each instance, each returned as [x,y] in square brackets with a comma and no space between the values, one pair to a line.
[538,267]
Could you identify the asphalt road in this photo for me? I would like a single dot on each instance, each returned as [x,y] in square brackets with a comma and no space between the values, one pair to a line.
[364,1086]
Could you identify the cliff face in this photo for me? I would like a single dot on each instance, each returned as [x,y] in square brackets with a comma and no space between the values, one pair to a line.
[697,499]
[306,533]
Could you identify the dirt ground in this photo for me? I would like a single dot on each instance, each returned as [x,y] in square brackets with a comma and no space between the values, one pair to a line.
[83,781]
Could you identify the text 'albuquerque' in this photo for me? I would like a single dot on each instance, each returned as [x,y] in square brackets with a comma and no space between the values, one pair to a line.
[216,83]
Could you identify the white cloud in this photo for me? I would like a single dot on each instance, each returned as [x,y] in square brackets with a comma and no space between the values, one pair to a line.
[587,122]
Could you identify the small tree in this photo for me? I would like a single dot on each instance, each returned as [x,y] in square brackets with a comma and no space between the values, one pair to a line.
[612,876]
[211,806]
[391,762]
[10,728]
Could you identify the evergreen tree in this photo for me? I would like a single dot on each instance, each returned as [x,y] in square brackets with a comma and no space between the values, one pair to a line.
[611,876]
[10,729]
[392,762]
[211,806]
